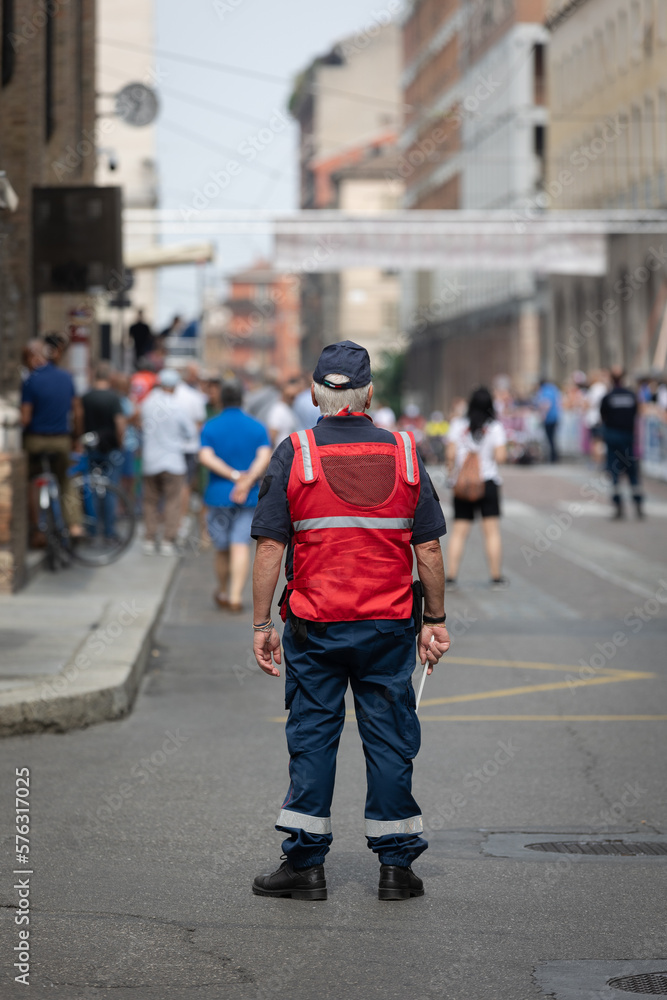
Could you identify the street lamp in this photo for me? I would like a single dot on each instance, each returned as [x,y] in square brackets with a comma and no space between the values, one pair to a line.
[8,196]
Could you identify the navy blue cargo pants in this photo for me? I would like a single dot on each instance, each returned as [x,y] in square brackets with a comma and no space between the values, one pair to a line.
[377,658]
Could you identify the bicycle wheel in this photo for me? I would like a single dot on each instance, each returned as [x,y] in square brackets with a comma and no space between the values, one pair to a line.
[108,521]
[58,555]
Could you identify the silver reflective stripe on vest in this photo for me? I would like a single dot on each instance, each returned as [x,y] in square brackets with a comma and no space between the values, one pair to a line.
[299,821]
[306,456]
[352,521]
[383,828]
[407,444]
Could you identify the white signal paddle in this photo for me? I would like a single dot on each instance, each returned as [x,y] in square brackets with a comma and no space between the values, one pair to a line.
[421,684]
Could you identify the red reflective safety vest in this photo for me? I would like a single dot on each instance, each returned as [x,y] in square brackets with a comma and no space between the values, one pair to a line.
[352,507]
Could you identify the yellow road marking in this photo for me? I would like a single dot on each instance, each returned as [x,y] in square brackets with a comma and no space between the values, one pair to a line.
[540,718]
[530,689]
[524,664]
[610,675]
[518,718]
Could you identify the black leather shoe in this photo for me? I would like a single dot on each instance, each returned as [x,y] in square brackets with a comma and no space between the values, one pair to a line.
[296,883]
[399,883]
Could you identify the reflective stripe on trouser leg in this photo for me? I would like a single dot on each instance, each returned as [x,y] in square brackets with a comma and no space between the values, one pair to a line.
[389,728]
[315,695]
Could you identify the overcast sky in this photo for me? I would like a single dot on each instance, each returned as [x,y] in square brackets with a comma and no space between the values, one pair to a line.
[276,38]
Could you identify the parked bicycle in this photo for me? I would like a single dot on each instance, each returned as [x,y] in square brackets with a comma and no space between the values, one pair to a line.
[108,518]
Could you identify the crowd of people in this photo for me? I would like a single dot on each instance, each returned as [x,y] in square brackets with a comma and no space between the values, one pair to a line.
[191,448]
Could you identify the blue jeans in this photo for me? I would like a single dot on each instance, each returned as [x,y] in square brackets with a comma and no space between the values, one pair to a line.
[111,465]
[377,658]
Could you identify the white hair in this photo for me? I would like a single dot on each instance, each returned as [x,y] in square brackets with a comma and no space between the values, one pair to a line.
[331,401]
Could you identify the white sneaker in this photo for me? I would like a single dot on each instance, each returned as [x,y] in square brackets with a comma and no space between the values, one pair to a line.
[167,549]
[148,548]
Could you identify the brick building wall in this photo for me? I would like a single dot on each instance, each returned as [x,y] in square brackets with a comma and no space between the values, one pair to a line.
[47,117]
[47,137]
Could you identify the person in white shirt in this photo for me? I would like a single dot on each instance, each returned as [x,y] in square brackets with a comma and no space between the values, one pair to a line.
[192,401]
[595,393]
[166,431]
[479,432]
[281,420]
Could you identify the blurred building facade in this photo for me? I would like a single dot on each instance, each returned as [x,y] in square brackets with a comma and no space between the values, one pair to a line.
[127,154]
[47,130]
[47,123]
[474,138]
[349,107]
[608,150]
[255,331]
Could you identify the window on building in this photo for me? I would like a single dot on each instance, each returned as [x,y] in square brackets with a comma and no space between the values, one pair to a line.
[636,30]
[623,41]
[649,132]
[635,143]
[648,28]
[611,56]
[622,152]
[588,68]
[540,78]
[600,68]
[49,41]
[7,49]
[661,22]
[661,130]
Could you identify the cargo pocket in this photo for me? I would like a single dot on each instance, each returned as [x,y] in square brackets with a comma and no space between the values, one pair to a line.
[293,724]
[411,727]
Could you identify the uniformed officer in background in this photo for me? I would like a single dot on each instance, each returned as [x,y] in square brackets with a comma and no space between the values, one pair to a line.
[348,501]
[618,412]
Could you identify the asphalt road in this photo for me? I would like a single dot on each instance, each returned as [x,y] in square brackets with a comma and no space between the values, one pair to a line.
[548,717]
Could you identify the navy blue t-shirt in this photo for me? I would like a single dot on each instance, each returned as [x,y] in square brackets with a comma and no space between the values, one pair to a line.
[51,391]
[272,517]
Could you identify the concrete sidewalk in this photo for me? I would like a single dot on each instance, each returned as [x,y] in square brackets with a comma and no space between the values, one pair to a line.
[74,644]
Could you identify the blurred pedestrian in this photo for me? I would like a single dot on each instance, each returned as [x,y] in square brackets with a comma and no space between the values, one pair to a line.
[50,414]
[165,430]
[192,401]
[174,329]
[143,380]
[548,401]
[141,336]
[131,440]
[103,416]
[618,411]
[281,419]
[479,434]
[235,449]
[32,357]
[384,416]
[436,431]
[212,387]
[305,411]
[597,389]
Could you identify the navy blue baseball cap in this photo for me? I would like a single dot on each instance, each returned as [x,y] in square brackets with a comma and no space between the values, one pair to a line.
[344,358]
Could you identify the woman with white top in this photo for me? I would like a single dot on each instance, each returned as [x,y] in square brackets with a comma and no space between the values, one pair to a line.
[482,433]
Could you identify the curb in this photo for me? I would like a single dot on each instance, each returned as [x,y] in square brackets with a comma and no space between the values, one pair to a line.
[103,692]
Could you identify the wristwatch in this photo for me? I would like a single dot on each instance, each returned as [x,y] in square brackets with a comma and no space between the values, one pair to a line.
[236,475]
[429,620]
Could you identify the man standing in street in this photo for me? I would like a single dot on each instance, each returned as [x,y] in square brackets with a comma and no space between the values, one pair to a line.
[348,500]
[235,449]
[141,336]
[618,412]
[166,429]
